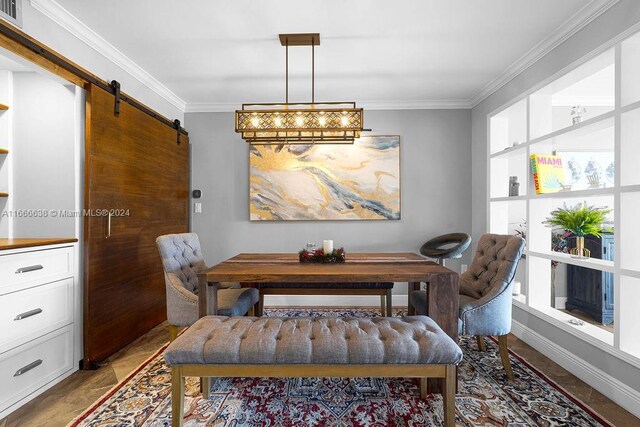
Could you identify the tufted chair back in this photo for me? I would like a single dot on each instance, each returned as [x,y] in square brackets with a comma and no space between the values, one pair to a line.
[493,265]
[182,258]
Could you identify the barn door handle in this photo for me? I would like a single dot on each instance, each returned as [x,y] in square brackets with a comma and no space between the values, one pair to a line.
[108,225]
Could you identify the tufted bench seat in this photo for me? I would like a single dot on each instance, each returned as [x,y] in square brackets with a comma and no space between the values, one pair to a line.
[220,346]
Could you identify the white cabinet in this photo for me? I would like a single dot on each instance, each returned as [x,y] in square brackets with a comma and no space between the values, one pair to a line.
[38,319]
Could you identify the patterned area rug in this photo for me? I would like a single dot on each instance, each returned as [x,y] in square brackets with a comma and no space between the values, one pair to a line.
[484,398]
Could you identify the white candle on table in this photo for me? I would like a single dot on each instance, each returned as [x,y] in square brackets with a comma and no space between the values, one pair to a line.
[327,246]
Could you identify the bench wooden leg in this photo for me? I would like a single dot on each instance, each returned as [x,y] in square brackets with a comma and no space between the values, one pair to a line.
[382,305]
[177,397]
[480,341]
[173,332]
[205,386]
[504,355]
[449,396]
[424,387]
[389,303]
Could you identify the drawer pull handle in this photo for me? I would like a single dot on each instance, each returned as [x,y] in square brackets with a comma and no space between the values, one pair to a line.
[29,268]
[28,314]
[27,368]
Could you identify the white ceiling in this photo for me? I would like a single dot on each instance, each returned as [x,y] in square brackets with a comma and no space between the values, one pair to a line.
[382,52]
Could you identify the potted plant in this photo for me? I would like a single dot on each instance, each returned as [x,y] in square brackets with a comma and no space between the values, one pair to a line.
[580,220]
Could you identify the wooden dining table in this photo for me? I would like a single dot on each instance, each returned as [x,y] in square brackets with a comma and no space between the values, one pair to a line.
[442,289]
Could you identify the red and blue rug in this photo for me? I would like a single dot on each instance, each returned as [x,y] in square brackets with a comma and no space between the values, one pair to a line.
[485,397]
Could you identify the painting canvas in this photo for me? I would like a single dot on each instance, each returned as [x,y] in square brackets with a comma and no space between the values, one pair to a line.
[359,181]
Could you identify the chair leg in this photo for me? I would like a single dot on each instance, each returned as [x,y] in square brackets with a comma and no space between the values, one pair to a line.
[504,355]
[252,311]
[177,396]
[205,386]
[173,332]
[389,303]
[449,396]
[382,305]
[480,341]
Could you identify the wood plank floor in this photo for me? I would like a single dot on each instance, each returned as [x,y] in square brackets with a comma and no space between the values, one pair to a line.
[62,403]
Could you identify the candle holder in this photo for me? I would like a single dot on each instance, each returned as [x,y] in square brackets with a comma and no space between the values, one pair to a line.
[336,256]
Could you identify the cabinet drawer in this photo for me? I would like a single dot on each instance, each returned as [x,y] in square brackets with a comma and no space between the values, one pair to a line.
[30,313]
[28,367]
[34,267]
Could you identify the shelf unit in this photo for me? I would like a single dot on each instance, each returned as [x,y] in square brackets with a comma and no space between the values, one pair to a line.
[590,117]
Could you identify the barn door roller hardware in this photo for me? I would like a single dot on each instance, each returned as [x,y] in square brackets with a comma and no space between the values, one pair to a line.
[176,124]
[115,86]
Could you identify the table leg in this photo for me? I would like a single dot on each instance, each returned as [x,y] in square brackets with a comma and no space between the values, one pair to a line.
[442,307]
[204,288]
[382,305]
[413,286]
[389,303]
[261,305]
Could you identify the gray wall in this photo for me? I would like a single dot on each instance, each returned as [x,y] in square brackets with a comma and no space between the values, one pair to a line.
[617,19]
[435,175]
[43,160]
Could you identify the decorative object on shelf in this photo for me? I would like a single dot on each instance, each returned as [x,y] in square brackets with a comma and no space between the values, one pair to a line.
[514,186]
[320,256]
[576,322]
[581,220]
[548,173]
[576,113]
[593,172]
[584,169]
[327,246]
[360,181]
[300,123]
[558,244]
[515,143]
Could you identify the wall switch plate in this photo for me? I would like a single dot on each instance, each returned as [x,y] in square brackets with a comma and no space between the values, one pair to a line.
[463,268]
[197,207]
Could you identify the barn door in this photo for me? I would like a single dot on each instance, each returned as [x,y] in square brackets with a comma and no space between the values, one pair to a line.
[136,188]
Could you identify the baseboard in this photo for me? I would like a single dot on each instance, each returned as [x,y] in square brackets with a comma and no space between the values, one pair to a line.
[615,390]
[331,300]
[560,303]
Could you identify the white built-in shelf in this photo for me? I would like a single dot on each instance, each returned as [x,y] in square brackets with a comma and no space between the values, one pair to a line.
[591,192]
[592,263]
[508,198]
[511,151]
[578,127]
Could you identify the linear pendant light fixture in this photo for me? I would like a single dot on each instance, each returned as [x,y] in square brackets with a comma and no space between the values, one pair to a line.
[300,123]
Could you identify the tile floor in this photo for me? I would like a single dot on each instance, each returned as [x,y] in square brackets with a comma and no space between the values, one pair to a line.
[62,403]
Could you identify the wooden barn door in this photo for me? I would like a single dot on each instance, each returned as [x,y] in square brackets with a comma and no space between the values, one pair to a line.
[136,189]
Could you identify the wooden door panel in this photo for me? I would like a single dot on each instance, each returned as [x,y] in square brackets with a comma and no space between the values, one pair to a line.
[133,164]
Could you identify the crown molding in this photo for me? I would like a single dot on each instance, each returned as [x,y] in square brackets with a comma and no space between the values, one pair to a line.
[223,107]
[66,20]
[571,26]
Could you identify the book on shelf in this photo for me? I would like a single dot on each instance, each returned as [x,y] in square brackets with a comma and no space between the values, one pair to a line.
[548,173]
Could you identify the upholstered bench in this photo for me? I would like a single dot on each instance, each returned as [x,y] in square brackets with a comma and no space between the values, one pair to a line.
[220,346]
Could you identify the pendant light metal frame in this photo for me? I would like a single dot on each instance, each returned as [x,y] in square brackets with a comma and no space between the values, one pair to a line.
[300,123]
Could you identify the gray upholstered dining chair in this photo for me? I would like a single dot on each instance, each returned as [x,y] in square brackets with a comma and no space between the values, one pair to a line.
[485,292]
[182,260]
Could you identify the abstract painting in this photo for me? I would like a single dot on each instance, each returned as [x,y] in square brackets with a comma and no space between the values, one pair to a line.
[359,181]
